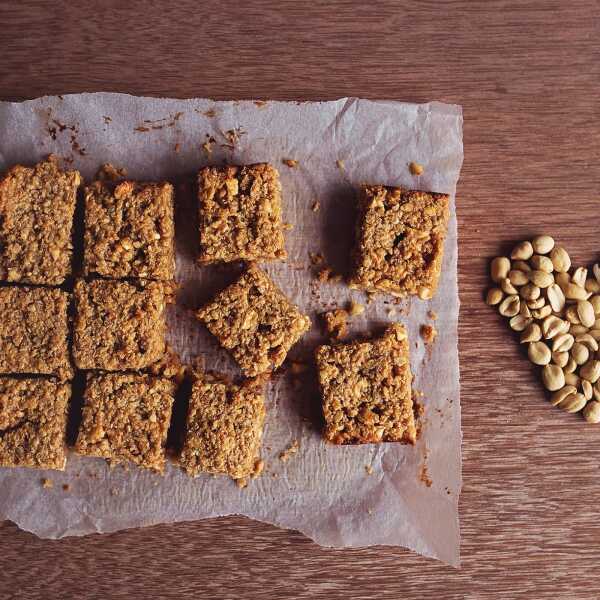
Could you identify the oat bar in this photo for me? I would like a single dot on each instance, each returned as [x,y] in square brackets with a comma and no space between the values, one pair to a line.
[36,219]
[33,331]
[119,325]
[224,427]
[240,214]
[126,419]
[129,230]
[33,422]
[400,240]
[254,321]
[366,390]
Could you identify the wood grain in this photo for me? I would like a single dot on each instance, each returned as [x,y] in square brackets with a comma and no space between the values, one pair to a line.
[527,76]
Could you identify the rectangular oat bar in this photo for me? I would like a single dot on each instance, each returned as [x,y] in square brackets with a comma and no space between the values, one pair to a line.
[129,230]
[224,427]
[126,419]
[400,240]
[240,214]
[119,325]
[366,390]
[36,220]
[34,331]
[33,422]
[254,320]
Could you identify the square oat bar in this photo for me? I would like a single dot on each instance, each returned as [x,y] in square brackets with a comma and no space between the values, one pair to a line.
[224,427]
[34,331]
[126,419]
[36,220]
[400,240]
[119,325]
[255,322]
[33,423]
[129,230]
[366,389]
[240,214]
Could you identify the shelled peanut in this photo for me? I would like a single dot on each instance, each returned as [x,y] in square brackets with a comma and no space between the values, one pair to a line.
[556,310]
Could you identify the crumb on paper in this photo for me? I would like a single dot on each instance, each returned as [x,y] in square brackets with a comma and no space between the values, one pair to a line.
[232,137]
[432,315]
[369,469]
[315,206]
[208,144]
[416,168]
[66,487]
[108,172]
[424,473]
[428,333]
[259,467]
[177,147]
[297,367]
[260,103]
[290,162]
[316,258]
[47,483]
[336,323]
[289,451]
[241,483]
[356,308]
[340,164]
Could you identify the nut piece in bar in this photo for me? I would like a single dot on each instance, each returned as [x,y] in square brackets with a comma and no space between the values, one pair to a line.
[33,423]
[240,214]
[400,240]
[224,427]
[119,325]
[126,418]
[36,220]
[366,390]
[254,321]
[129,230]
[33,331]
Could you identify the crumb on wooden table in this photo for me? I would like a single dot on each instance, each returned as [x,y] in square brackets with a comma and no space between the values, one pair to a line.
[287,226]
[339,164]
[416,168]
[47,483]
[369,469]
[66,487]
[290,162]
[289,451]
[432,315]
[242,482]
[315,206]
[208,144]
[316,258]
[108,172]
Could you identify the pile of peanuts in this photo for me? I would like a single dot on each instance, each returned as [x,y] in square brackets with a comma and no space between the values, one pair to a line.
[556,310]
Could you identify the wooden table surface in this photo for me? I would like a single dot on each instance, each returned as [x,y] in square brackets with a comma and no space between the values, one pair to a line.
[527,76]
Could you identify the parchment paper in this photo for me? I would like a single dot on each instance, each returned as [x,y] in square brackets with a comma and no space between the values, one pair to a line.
[410,499]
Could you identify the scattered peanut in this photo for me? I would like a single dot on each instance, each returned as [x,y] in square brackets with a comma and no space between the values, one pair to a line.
[591,412]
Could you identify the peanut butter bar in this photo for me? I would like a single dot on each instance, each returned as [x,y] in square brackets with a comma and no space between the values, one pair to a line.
[36,219]
[33,331]
[119,325]
[255,322]
[126,419]
[129,230]
[224,427]
[400,240]
[240,214]
[33,423]
[366,389]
